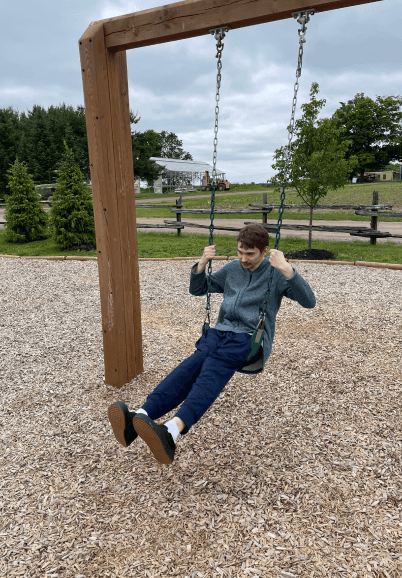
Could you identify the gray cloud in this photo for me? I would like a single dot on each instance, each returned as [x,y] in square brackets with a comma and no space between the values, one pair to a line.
[172,85]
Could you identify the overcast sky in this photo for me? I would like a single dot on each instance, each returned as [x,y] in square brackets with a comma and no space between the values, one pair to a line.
[172,85]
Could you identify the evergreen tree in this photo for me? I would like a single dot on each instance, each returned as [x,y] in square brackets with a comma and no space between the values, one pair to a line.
[37,136]
[72,214]
[41,139]
[8,145]
[37,150]
[26,219]
[68,124]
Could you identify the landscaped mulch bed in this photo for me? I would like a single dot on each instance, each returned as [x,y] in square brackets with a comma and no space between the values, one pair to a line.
[312,255]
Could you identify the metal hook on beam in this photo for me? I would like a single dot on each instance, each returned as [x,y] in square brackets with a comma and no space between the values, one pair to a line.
[219,33]
[303,17]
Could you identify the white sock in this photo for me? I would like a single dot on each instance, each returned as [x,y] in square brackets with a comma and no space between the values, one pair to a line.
[173,429]
[141,411]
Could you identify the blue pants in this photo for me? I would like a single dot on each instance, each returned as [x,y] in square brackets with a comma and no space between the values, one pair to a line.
[200,378]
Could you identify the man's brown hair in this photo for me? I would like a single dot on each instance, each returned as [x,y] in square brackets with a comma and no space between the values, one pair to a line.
[253,236]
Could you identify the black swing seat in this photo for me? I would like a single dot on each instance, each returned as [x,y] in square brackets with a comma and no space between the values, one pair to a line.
[255,358]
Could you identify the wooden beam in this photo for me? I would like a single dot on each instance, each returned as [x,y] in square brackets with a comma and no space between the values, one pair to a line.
[196,17]
[104,75]
[105,83]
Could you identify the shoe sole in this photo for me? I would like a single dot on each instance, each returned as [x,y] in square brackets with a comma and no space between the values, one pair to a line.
[151,438]
[118,423]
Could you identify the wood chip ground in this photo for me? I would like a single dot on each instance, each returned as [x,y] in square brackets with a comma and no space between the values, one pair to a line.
[295,472]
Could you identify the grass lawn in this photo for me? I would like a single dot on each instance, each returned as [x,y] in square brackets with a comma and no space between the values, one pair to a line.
[389,194]
[190,245]
[168,244]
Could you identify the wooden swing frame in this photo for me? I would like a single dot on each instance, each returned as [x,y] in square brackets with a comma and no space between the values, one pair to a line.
[103,49]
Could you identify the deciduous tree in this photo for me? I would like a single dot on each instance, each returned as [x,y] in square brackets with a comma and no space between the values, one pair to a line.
[374,130]
[317,162]
[153,144]
[146,145]
[172,147]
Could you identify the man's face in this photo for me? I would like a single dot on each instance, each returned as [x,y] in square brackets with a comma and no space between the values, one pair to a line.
[250,258]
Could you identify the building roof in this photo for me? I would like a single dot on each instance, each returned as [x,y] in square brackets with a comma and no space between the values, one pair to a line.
[380,171]
[178,165]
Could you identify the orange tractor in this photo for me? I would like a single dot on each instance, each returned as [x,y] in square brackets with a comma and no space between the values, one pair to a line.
[220,186]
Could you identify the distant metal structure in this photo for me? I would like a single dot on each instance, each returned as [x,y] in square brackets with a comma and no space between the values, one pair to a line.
[180,173]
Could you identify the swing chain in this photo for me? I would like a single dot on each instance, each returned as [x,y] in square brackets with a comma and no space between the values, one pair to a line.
[219,34]
[211,242]
[302,18]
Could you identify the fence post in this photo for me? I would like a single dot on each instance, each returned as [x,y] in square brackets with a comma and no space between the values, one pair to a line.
[264,202]
[179,205]
[373,240]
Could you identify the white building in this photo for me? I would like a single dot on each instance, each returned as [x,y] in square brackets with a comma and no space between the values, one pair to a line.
[182,174]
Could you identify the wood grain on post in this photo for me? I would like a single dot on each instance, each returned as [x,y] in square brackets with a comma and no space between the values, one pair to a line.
[107,114]
[373,240]
[264,214]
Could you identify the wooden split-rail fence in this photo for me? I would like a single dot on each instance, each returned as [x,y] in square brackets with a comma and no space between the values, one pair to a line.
[375,211]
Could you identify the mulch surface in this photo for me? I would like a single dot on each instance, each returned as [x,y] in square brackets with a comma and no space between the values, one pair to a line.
[291,473]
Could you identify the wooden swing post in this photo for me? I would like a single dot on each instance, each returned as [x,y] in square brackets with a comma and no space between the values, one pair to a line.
[104,75]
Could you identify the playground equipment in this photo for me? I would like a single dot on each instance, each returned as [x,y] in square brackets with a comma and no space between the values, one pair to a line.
[103,49]
[254,363]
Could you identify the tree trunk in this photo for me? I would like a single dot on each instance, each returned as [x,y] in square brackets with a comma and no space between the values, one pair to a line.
[310,231]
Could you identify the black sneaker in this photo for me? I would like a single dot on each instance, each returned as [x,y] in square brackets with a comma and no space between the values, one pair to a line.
[121,421]
[157,437]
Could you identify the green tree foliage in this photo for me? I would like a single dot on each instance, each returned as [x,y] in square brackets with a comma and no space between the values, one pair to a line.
[145,145]
[172,147]
[317,158]
[26,219]
[392,167]
[37,137]
[9,120]
[374,129]
[72,214]
[153,144]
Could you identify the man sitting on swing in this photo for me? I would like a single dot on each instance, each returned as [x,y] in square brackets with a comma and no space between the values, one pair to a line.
[221,351]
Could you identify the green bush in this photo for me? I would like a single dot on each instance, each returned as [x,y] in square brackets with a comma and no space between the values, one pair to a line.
[72,214]
[26,219]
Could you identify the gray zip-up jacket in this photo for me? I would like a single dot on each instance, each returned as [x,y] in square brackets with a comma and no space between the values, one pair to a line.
[244,292]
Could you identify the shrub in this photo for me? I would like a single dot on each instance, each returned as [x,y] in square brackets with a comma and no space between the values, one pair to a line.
[72,214]
[26,219]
